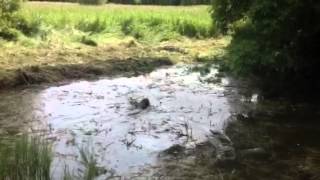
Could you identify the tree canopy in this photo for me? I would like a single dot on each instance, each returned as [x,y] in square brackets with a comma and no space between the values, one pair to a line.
[272,38]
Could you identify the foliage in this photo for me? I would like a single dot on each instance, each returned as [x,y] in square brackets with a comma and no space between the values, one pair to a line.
[11,23]
[8,18]
[93,2]
[87,41]
[8,6]
[271,38]
[95,26]
[150,2]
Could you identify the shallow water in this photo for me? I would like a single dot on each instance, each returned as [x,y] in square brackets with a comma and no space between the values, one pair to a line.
[97,115]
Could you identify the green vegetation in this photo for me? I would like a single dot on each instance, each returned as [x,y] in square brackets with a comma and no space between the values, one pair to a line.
[89,161]
[162,2]
[93,2]
[27,158]
[30,158]
[150,2]
[272,39]
[70,22]
[59,41]
[9,19]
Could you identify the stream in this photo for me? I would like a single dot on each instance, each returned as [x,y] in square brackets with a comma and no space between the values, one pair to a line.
[190,113]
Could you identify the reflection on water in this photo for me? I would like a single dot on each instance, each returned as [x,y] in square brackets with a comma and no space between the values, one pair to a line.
[183,110]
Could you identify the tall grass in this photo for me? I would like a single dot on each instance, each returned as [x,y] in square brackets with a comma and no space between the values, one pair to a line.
[146,23]
[89,161]
[30,158]
[26,158]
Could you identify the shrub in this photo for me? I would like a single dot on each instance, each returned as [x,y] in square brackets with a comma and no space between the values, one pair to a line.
[88,41]
[8,6]
[11,22]
[8,17]
[272,39]
[95,26]
[8,33]
[28,28]
[93,2]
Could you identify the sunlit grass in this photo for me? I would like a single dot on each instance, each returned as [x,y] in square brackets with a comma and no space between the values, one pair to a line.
[81,36]
[146,23]
[30,158]
[25,158]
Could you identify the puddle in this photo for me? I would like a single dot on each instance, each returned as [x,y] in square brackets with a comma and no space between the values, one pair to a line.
[184,110]
[98,114]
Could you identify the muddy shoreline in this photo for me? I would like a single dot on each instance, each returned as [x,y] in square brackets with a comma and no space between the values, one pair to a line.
[34,75]
[52,63]
[272,139]
[200,124]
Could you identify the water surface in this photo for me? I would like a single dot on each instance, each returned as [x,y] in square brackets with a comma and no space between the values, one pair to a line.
[97,115]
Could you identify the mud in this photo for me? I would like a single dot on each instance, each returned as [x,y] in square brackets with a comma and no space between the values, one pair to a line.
[192,128]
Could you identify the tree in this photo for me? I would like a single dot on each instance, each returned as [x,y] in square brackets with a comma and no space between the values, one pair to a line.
[272,39]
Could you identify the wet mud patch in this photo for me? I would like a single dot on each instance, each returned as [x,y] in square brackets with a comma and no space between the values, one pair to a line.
[126,135]
[50,74]
[171,123]
[272,139]
[277,141]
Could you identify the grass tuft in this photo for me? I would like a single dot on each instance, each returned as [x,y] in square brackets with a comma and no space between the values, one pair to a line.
[30,157]
[88,41]
[27,158]
[89,161]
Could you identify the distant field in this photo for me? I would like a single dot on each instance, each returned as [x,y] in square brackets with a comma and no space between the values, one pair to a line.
[145,23]
[71,41]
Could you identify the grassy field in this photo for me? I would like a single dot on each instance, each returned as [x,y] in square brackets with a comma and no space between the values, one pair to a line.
[73,22]
[71,41]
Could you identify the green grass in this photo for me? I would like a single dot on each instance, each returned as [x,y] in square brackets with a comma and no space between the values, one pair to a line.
[25,158]
[72,41]
[89,161]
[30,157]
[71,22]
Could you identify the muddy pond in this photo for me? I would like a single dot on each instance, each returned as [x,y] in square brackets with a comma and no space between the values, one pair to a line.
[197,125]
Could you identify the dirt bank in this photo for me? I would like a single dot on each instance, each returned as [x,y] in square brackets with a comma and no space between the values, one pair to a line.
[55,63]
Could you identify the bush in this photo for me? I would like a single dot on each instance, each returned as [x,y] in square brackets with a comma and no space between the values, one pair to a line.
[162,2]
[8,33]
[8,6]
[93,2]
[8,18]
[272,39]
[11,22]
[95,26]
[88,41]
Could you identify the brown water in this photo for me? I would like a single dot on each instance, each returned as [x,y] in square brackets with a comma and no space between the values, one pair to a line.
[184,108]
